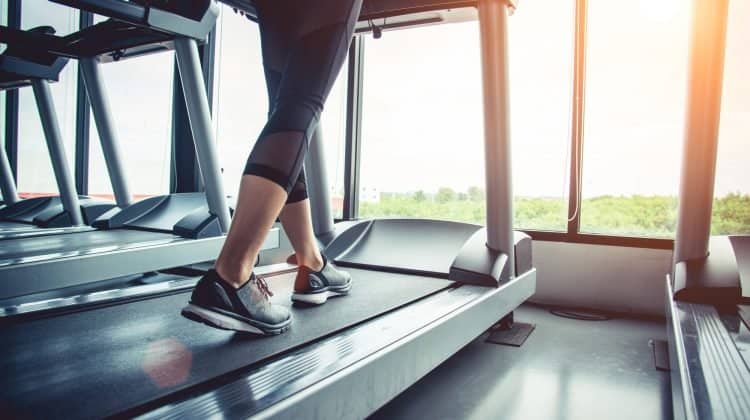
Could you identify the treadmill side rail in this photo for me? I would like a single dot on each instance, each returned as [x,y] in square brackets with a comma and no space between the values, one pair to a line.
[58,271]
[710,379]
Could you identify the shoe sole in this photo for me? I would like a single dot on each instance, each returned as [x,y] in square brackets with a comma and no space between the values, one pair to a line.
[321,297]
[224,322]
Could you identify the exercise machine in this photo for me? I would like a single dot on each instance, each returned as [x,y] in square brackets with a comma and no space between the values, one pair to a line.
[134,237]
[422,290]
[23,67]
[708,291]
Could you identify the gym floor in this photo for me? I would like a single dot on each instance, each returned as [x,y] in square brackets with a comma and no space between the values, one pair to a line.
[566,369]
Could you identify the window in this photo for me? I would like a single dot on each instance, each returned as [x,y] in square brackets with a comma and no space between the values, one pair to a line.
[333,123]
[423,142]
[636,76]
[140,94]
[35,174]
[2,117]
[4,22]
[240,98]
[731,209]
[541,43]
[241,105]
[2,113]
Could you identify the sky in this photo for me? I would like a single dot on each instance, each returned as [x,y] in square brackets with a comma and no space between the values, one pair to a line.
[422,126]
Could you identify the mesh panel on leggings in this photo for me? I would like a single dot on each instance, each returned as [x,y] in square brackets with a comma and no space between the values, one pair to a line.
[304,45]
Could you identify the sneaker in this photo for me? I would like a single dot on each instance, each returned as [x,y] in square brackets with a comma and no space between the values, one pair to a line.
[247,309]
[320,285]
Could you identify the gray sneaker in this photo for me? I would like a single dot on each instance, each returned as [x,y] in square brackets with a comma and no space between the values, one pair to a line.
[320,285]
[247,309]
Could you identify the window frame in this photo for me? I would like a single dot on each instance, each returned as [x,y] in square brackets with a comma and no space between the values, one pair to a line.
[11,99]
[355,76]
[575,201]
[83,120]
[572,234]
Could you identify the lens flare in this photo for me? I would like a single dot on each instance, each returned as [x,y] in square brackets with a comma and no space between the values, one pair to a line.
[167,362]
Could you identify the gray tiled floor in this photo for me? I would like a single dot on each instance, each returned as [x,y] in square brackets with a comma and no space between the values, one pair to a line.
[567,369]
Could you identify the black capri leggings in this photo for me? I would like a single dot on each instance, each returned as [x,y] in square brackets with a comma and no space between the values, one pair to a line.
[304,45]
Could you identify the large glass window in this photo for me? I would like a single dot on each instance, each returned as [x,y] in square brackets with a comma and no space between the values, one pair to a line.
[423,144]
[35,174]
[731,209]
[636,76]
[2,124]
[240,98]
[541,43]
[3,21]
[241,105]
[140,94]
[333,123]
[422,125]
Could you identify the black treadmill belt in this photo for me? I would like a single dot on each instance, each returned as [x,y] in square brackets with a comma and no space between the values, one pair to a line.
[104,361]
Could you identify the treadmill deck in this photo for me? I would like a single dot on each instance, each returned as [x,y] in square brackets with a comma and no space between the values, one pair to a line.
[119,357]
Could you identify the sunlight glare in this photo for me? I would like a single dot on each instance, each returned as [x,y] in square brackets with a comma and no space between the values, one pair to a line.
[662,11]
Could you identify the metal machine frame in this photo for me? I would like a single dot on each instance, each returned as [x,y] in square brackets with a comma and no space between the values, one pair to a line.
[710,376]
[354,373]
[155,30]
[37,75]
[381,357]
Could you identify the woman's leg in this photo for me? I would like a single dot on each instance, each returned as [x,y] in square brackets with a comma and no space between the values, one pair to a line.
[295,218]
[317,35]
[258,203]
[305,65]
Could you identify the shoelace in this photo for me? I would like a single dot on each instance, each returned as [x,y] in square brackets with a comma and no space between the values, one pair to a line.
[263,286]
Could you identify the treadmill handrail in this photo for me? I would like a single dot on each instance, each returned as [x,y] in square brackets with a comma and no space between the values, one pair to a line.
[153,18]
[117,9]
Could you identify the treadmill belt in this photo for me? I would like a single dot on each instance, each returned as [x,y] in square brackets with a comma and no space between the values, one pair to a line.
[104,361]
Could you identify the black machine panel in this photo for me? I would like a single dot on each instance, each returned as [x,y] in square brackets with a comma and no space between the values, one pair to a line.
[717,278]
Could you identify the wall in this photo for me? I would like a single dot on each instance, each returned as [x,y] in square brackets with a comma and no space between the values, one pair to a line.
[603,277]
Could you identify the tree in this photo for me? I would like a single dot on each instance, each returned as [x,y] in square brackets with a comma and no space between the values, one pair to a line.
[475,193]
[419,196]
[445,195]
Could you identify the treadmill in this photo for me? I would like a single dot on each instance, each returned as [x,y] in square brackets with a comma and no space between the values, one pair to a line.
[423,289]
[21,66]
[134,237]
[708,291]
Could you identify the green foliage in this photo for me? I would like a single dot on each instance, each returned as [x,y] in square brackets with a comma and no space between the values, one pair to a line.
[475,194]
[636,215]
[445,195]
[731,214]
[654,216]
